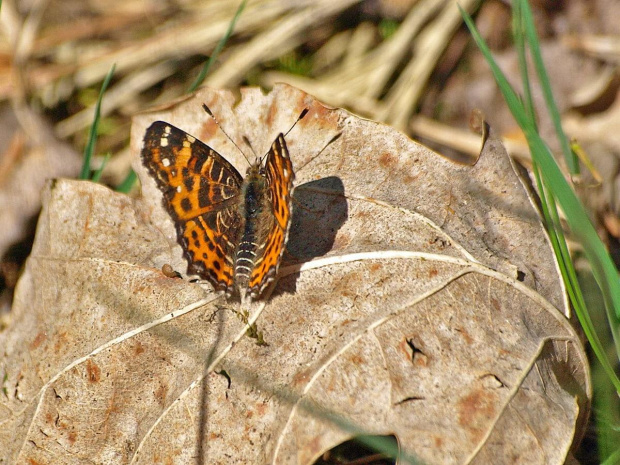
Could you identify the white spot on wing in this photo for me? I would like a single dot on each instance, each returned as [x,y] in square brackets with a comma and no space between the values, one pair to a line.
[163,142]
[165,162]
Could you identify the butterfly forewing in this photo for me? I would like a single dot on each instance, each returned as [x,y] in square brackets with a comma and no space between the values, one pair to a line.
[201,191]
[279,175]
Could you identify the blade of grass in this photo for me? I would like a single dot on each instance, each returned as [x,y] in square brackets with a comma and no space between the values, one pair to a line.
[523,17]
[127,183]
[218,48]
[97,174]
[587,231]
[548,202]
[92,136]
[517,31]
[606,403]
[578,221]
[613,459]
[532,40]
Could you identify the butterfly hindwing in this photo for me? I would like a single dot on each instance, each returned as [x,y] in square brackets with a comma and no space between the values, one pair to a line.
[279,174]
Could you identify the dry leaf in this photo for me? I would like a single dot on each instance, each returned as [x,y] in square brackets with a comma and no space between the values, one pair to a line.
[420,298]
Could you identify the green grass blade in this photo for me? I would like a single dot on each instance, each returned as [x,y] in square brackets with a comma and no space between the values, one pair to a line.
[532,39]
[517,30]
[523,17]
[605,271]
[602,267]
[548,202]
[573,288]
[127,183]
[218,48]
[89,150]
[97,174]
[613,459]
[578,221]
[606,403]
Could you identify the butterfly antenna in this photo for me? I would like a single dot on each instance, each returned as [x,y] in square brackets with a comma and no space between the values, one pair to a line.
[247,142]
[210,113]
[301,115]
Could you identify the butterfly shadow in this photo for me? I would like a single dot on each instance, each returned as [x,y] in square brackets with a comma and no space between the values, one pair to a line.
[319,210]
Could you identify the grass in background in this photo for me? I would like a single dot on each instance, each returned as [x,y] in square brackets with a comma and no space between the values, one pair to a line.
[89,150]
[555,191]
[218,48]
[128,182]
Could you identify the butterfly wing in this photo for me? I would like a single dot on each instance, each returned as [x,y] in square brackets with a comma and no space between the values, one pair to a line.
[279,174]
[200,192]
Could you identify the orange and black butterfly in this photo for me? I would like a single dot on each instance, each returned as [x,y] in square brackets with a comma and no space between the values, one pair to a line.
[233,230]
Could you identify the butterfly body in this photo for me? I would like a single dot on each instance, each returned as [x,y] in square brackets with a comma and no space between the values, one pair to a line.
[233,230]
[254,210]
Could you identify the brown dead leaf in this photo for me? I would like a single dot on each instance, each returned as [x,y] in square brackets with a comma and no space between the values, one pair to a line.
[419,298]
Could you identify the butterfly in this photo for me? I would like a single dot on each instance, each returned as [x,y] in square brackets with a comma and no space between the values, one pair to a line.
[233,229]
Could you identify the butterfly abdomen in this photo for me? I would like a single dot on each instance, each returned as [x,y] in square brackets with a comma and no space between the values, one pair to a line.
[252,209]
